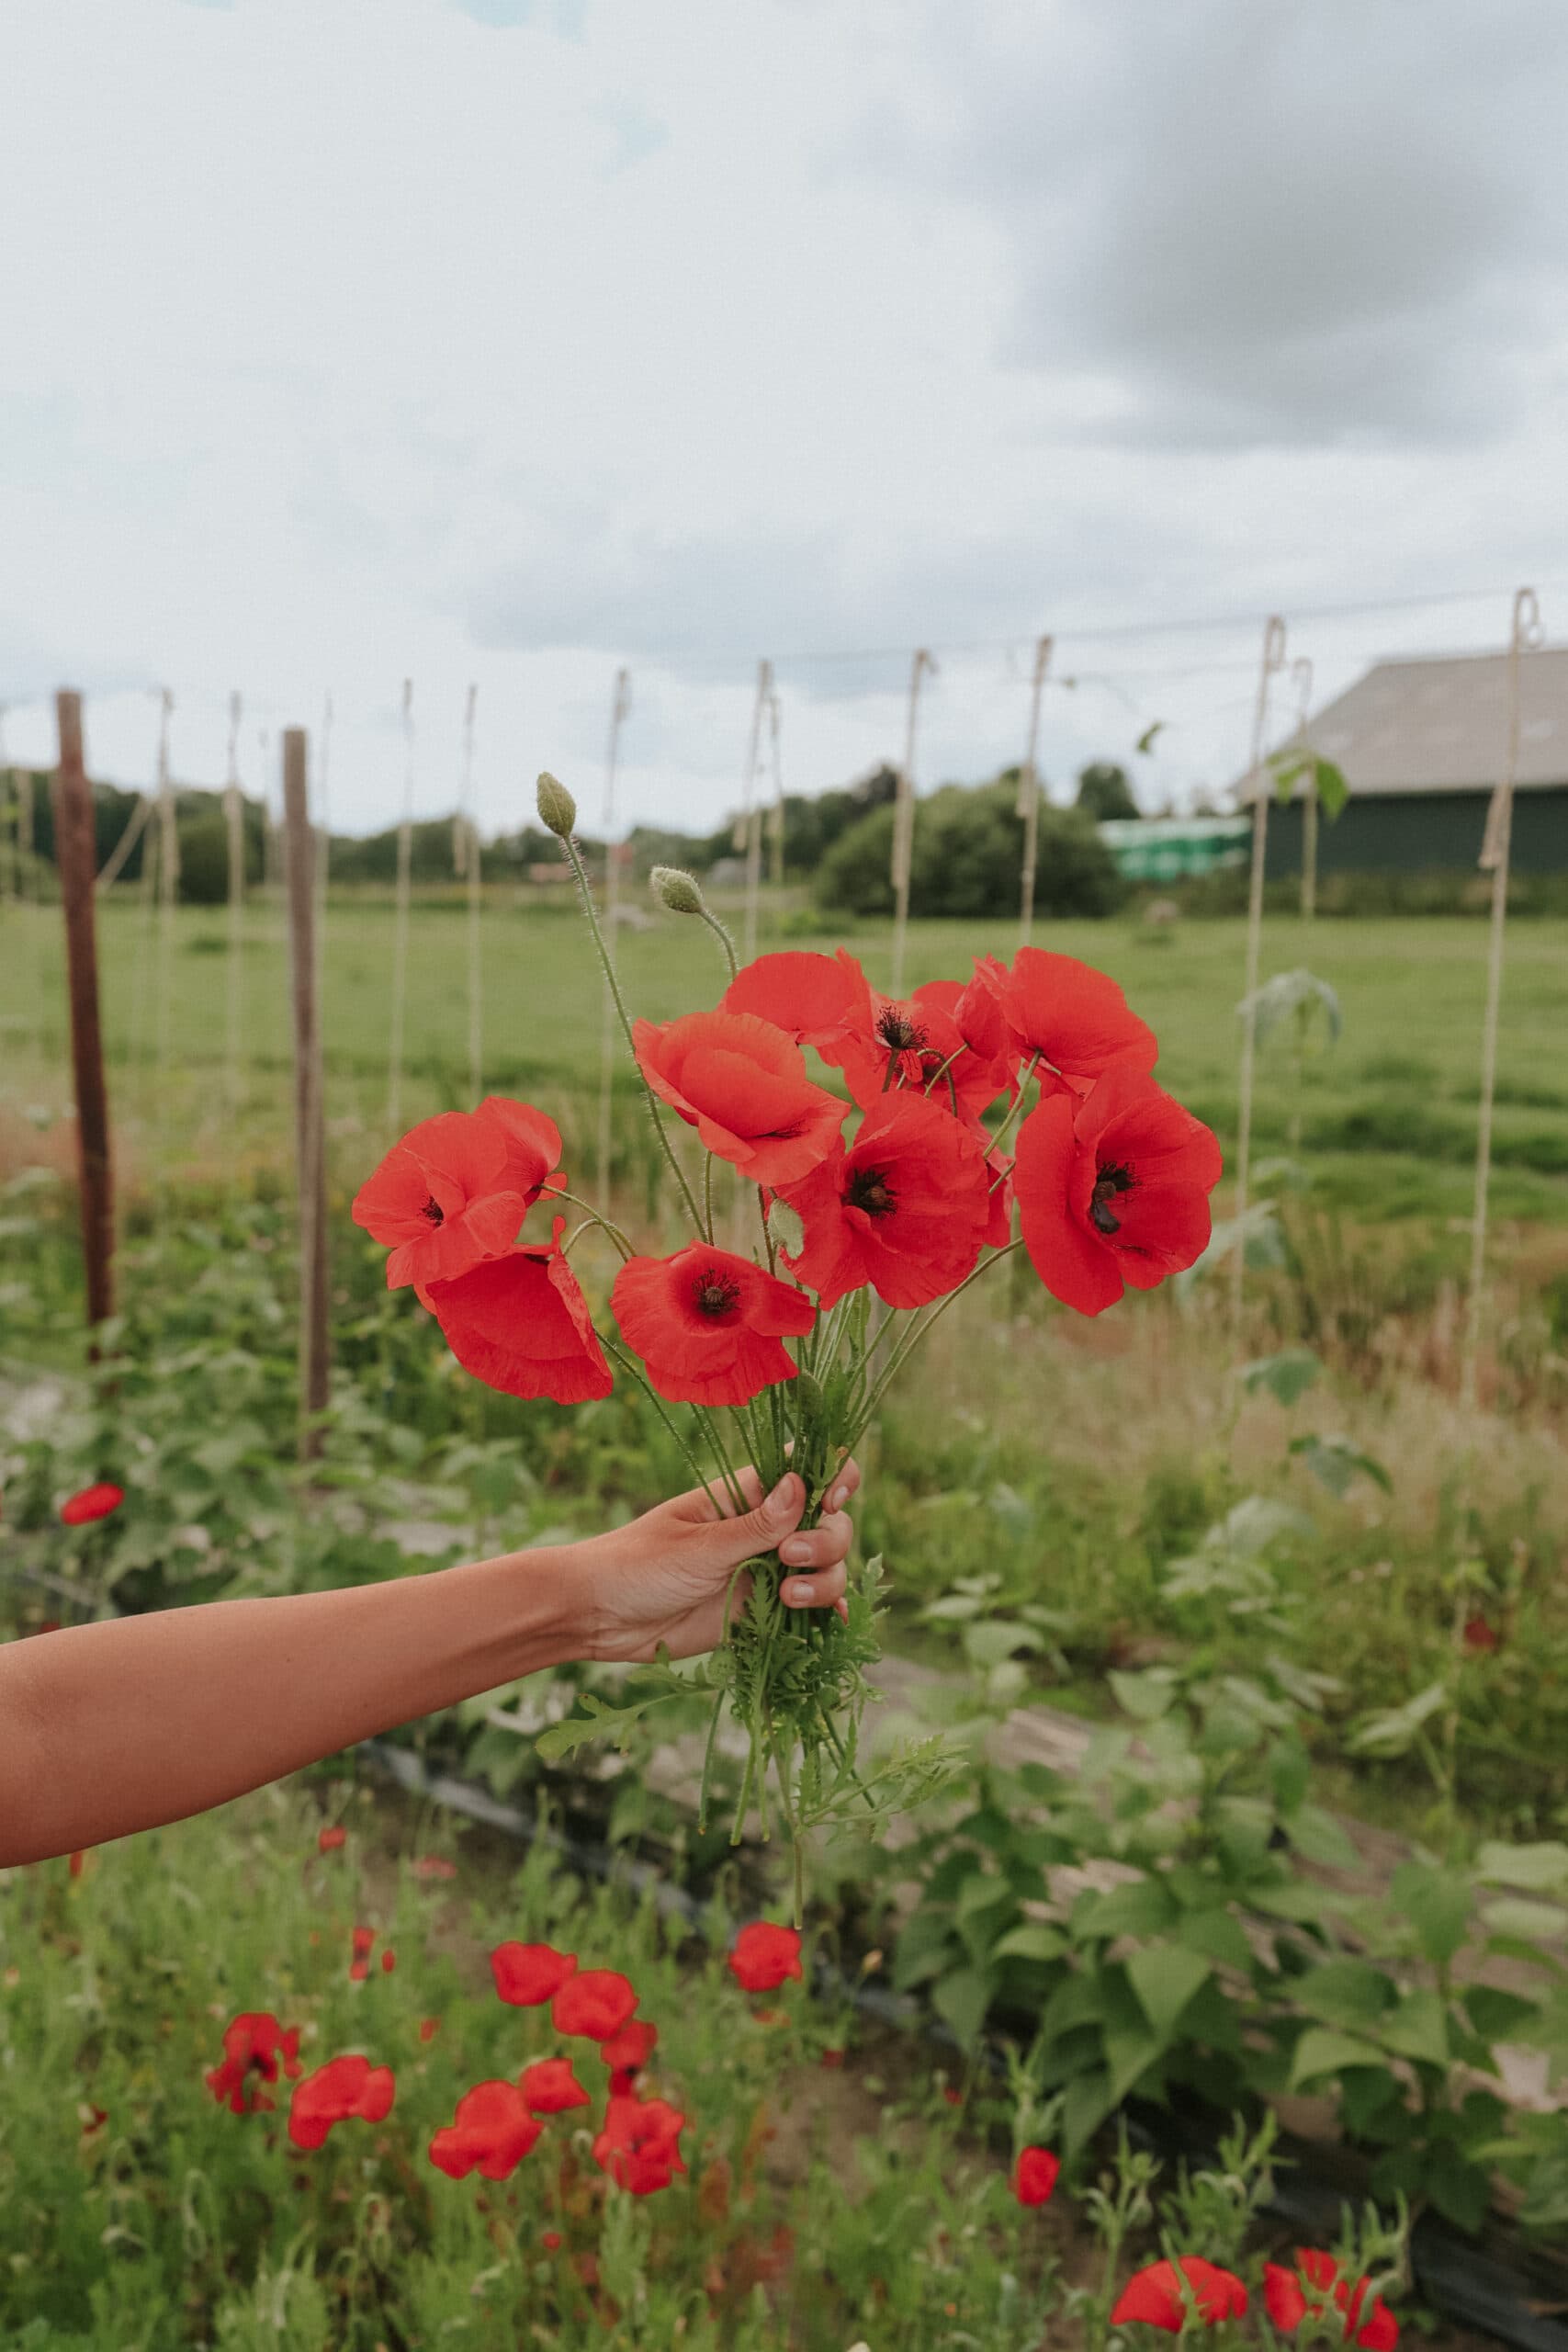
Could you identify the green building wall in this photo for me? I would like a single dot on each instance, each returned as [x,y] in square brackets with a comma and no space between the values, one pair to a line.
[1409,832]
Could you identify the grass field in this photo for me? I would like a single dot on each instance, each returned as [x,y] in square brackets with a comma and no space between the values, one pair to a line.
[1387,1116]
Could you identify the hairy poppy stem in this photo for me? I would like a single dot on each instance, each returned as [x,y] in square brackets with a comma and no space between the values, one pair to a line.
[596,1217]
[707,1198]
[629,1363]
[912,1339]
[580,872]
[1011,1120]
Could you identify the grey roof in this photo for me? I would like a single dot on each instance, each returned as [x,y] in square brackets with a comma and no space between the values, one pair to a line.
[1441,725]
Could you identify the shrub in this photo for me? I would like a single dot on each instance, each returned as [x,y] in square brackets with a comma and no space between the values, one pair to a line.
[968,849]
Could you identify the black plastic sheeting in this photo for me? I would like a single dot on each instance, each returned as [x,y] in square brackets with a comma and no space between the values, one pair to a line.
[1468,2285]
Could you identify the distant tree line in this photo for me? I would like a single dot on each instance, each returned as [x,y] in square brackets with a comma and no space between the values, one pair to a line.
[967,851]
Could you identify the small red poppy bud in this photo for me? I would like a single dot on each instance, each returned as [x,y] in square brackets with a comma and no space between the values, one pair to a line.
[329,1839]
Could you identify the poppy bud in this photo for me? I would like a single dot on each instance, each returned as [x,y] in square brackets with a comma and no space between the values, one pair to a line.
[678,891]
[787,1228]
[558,809]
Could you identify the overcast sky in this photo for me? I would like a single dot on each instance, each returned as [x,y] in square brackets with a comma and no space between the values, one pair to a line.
[506,340]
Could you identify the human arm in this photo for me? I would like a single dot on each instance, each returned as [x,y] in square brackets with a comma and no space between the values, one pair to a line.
[136,1721]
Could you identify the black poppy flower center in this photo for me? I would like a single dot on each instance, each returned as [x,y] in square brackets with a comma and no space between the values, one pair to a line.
[898,1030]
[870,1190]
[1110,1182]
[714,1293]
[433,1210]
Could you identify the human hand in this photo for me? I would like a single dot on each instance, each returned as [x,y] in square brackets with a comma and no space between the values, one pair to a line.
[662,1580]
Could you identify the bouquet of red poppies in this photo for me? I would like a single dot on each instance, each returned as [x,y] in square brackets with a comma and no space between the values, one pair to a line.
[876,1190]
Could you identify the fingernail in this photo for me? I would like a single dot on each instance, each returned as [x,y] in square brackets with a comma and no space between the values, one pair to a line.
[797,1588]
[838,1498]
[796,1551]
[784,1491]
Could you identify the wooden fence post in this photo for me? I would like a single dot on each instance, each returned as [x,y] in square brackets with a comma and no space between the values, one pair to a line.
[309,1132]
[77,862]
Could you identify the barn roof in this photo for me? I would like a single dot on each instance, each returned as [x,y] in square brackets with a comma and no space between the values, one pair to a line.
[1441,725]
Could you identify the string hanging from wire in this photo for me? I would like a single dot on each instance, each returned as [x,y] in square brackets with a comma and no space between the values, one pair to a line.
[1525,636]
[620,710]
[400,922]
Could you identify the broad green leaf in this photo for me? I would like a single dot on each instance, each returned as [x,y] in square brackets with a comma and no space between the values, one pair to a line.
[1147,1695]
[1165,1977]
[1089,2101]
[1286,1376]
[1437,1903]
[1497,2016]
[1130,2054]
[1220,1934]
[1142,1907]
[1315,1833]
[1349,1993]
[1034,1940]
[1515,1916]
[1418,2027]
[1322,2052]
[1394,1731]
[962,1999]
[1535,1869]
[1333,790]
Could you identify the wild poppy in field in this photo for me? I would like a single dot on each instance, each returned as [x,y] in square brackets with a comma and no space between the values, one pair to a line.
[832,2060]
[1066,1015]
[1480,1634]
[254,2047]
[91,1503]
[764,1956]
[1113,1189]
[429,2027]
[491,2133]
[1002,1195]
[1316,2281]
[550,2087]
[1034,2175]
[811,997]
[429,1866]
[639,2145]
[708,1325]
[389,1961]
[329,1839]
[551,2241]
[363,1943]
[595,2002]
[742,1084]
[456,1189]
[905,1209]
[522,1325]
[628,2051]
[948,1040]
[343,2088]
[1155,2295]
[529,1974]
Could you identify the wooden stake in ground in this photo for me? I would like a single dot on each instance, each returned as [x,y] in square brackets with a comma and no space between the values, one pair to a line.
[903,822]
[1525,636]
[466,845]
[1029,792]
[1301,671]
[76,859]
[400,922]
[620,708]
[775,750]
[309,1131]
[1257,776]
[234,819]
[751,810]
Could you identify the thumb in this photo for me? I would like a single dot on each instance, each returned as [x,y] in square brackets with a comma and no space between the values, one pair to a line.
[764,1528]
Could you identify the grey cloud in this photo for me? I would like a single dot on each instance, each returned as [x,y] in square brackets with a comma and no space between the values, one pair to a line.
[1334,225]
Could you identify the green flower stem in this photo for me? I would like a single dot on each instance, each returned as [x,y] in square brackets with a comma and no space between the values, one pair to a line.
[724,940]
[912,1339]
[629,1363]
[1011,1121]
[708,1197]
[596,1217]
[574,857]
[767,1235]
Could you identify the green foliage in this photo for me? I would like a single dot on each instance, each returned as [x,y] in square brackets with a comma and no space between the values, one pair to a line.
[968,846]
[1294,767]
[1105,790]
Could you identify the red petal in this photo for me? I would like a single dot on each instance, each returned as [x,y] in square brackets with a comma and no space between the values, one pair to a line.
[1072,1263]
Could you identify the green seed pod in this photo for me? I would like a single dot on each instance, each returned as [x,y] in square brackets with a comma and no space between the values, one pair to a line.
[558,809]
[678,891]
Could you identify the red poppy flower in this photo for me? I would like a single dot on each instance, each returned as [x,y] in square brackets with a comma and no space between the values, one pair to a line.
[764,1956]
[742,1084]
[948,1040]
[529,1974]
[491,2133]
[1480,1633]
[1072,1018]
[359,1967]
[77,1862]
[1034,2175]
[551,2241]
[811,997]
[1001,1197]
[639,2146]
[429,2027]
[430,1865]
[93,2120]
[1289,2302]
[596,2003]
[1113,1189]
[550,2087]
[522,1325]
[628,2051]
[905,1209]
[455,1190]
[1155,2295]
[92,1502]
[832,2060]
[389,1961]
[342,2089]
[708,1325]
[329,1839]
[253,2045]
